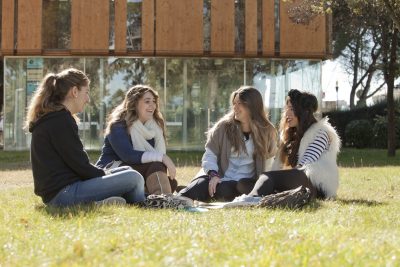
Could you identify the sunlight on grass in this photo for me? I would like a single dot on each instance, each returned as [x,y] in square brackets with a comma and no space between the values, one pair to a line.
[360,228]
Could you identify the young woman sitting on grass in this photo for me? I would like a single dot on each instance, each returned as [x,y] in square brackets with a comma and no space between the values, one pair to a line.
[239,148]
[135,136]
[62,173]
[307,151]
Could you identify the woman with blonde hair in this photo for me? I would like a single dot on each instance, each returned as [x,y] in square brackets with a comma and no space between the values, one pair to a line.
[135,136]
[239,147]
[62,173]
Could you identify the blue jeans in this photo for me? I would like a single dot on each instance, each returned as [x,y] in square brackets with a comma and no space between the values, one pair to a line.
[122,181]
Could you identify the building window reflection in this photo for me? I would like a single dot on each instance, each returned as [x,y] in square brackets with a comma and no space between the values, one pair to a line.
[56,24]
[134,25]
[194,92]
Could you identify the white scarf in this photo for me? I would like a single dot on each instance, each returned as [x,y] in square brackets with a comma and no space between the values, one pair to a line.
[140,133]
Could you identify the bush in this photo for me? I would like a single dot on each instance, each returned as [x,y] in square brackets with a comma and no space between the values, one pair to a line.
[341,118]
[380,132]
[358,133]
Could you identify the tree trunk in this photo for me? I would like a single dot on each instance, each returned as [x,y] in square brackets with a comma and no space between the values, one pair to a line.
[389,44]
[355,73]
[390,98]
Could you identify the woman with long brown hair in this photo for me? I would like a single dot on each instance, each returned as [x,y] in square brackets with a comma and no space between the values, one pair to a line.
[307,151]
[62,173]
[135,136]
[239,147]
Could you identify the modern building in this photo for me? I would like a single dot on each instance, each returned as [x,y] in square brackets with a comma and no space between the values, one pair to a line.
[194,52]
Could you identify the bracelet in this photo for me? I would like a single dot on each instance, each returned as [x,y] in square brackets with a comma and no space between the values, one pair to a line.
[212,173]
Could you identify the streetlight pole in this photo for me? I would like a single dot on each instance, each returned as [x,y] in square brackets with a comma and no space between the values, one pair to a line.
[337,95]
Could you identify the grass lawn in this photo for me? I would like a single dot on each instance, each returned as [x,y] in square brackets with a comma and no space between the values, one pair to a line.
[360,228]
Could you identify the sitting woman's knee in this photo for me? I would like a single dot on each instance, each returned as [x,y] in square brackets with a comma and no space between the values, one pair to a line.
[244,186]
[156,167]
[135,179]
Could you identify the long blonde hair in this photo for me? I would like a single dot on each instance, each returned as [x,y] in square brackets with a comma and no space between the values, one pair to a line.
[127,110]
[52,92]
[263,132]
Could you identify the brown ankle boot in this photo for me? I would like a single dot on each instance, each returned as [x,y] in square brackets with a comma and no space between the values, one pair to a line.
[158,183]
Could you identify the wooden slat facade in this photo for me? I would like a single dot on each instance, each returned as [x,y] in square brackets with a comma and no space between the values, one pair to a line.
[7,24]
[301,40]
[169,28]
[251,37]
[29,36]
[120,26]
[148,27]
[90,27]
[179,27]
[222,27]
[268,28]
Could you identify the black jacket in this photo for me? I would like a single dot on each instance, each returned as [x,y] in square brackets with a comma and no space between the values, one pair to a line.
[57,155]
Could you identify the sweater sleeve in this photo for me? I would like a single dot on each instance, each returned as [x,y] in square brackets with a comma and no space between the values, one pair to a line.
[209,161]
[315,149]
[68,145]
[122,146]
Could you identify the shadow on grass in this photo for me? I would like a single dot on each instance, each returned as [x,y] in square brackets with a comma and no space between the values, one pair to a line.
[70,212]
[360,202]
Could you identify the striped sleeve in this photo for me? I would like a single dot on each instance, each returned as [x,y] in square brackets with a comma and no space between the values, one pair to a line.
[315,149]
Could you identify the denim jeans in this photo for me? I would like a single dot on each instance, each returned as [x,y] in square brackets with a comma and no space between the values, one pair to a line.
[122,181]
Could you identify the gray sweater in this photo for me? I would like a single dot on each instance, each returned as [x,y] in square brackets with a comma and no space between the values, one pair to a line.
[220,145]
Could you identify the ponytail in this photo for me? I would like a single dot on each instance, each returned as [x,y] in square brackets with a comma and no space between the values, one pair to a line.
[51,93]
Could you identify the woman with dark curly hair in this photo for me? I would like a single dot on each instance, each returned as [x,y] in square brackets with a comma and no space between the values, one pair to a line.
[307,151]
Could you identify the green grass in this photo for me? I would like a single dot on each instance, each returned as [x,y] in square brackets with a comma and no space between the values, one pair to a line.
[361,228]
[349,157]
[21,159]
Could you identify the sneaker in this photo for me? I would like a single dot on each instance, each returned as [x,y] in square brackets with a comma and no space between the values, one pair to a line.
[179,188]
[168,201]
[243,200]
[112,201]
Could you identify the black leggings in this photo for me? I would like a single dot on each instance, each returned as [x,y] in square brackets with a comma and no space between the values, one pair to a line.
[282,180]
[226,191]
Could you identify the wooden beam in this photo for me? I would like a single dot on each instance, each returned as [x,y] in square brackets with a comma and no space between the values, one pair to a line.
[148,27]
[90,27]
[251,40]
[29,36]
[222,27]
[120,16]
[7,24]
[268,27]
[179,27]
[306,39]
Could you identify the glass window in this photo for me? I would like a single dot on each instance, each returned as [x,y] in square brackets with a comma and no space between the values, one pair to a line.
[198,92]
[274,78]
[207,25]
[21,78]
[134,25]
[56,24]
[239,26]
[111,38]
[15,103]
[194,92]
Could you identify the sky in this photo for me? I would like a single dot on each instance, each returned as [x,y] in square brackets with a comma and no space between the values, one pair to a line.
[332,71]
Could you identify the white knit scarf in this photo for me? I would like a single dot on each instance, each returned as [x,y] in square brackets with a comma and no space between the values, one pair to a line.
[140,133]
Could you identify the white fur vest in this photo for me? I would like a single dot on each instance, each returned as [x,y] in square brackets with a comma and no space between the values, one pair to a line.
[324,173]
